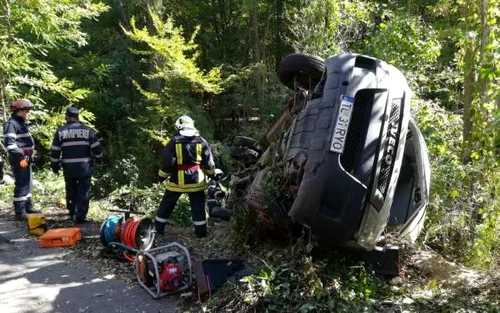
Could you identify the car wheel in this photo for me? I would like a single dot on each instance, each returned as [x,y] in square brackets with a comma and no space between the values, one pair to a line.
[306,70]
[242,141]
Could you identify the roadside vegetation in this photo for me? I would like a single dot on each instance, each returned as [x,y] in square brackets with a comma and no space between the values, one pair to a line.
[135,66]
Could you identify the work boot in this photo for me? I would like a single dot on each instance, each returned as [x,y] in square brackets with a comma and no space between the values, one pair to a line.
[159,228]
[200,231]
[80,220]
[29,208]
[21,216]
[20,210]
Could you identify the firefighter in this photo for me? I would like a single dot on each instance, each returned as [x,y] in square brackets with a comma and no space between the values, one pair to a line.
[215,192]
[186,160]
[21,148]
[1,170]
[73,146]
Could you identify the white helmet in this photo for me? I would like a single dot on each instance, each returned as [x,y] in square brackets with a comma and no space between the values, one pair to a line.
[185,125]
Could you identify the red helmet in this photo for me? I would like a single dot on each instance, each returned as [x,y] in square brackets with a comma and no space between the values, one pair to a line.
[21,104]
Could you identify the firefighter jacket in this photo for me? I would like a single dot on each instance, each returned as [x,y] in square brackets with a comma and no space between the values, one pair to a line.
[186,160]
[73,147]
[18,140]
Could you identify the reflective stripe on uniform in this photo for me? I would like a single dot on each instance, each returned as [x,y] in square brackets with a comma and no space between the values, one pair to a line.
[54,160]
[75,143]
[11,135]
[163,174]
[95,144]
[23,198]
[55,148]
[187,187]
[161,220]
[178,153]
[199,223]
[198,152]
[76,160]
[179,157]
[180,176]
[23,135]
[12,147]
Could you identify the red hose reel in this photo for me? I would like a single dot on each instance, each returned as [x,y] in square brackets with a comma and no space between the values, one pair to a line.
[128,233]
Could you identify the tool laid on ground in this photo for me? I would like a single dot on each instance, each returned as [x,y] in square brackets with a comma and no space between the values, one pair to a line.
[128,233]
[164,270]
[37,224]
[60,237]
[212,274]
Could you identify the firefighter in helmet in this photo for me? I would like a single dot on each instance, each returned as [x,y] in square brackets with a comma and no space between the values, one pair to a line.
[186,160]
[21,148]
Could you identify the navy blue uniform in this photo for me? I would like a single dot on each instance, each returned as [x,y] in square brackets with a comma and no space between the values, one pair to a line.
[185,160]
[1,170]
[73,147]
[20,145]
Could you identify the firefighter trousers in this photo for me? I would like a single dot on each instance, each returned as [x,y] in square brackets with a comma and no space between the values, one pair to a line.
[22,189]
[77,196]
[167,206]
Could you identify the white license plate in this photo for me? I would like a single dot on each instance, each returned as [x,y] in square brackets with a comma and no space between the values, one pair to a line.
[342,124]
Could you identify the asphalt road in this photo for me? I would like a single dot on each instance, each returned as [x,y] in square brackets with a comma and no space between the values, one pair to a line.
[34,279]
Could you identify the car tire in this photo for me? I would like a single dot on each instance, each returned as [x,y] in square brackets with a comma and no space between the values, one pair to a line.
[242,141]
[307,70]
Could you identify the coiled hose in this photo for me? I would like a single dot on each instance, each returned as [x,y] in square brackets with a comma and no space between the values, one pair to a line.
[130,234]
[108,229]
[128,237]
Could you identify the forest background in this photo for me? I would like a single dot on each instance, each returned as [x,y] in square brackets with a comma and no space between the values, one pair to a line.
[134,66]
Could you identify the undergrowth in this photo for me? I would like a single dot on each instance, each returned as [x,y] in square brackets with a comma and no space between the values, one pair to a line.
[293,279]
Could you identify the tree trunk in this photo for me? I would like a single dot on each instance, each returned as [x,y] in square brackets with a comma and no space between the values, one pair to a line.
[4,98]
[123,14]
[155,7]
[483,81]
[469,86]
[257,55]
[279,37]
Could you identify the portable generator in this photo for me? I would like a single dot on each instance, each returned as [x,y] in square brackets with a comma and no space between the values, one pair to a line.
[164,270]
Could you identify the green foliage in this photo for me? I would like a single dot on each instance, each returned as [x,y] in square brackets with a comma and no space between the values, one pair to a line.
[242,227]
[182,83]
[327,27]
[463,208]
[293,280]
[147,200]
[407,43]
[45,124]
[30,31]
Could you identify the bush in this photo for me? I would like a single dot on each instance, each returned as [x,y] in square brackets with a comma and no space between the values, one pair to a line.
[463,210]
[294,280]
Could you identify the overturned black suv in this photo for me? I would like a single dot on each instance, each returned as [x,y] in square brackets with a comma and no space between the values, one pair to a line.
[358,161]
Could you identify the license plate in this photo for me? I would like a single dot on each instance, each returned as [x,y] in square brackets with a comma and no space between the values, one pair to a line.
[342,124]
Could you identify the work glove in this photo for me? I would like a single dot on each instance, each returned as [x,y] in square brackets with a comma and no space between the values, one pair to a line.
[220,194]
[24,162]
